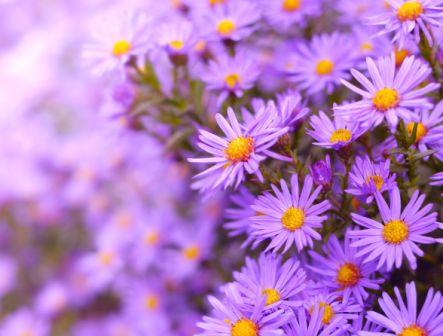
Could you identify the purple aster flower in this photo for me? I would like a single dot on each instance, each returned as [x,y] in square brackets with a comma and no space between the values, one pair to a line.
[410,16]
[353,12]
[337,133]
[391,94]
[290,109]
[239,152]
[24,322]
[282,14]
[367,178]
[321,172]
[290,217]
[231,319]
[231,75]
[320,64]
[302,325]
[402,319]
[280,282]
[176,36]
[429,134]
[342,271]
[399,233]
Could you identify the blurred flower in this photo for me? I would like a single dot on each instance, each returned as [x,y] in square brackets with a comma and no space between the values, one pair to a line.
[321,172]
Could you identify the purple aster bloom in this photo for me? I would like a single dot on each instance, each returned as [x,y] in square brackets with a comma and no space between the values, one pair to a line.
[282,14]
[402,319]
[280,282]
[353,12]
[289,217]
[410,16]
[399,233]
[321,172]
[52,299]
[231,75]
[290,109]
[382,151]
[302,325]
[342,271]
[429,134]
[239,152]
[367,178]
[231,319]
[389,94]
[176,36]
[335,134]
[24,322]
[370,45]
[320,65]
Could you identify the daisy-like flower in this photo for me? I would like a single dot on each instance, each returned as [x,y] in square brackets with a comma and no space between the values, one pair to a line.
[342,271]
[429,132]
[282,14]
[290,217]
[390,93]
[232,319]
[239,152]
[231,75]
[399,233]
[176,36]
[410,16]
[334,134]
[319,64]
[116,39]
[402,319]
[280,282]
[302,325]
[367,178]
[353,12]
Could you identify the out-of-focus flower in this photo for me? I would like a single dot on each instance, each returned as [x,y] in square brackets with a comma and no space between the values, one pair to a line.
[52,299]
[342,271]
[176,37]
[8,274]
[240,152]
[24,322]
[402,319]
[290,217]
[367,178]
[320,65]
[391,94]
[335,134]
[400,232]
[410,16]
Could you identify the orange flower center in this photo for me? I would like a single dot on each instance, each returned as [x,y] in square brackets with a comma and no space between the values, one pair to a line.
[409,11]
[413,330]
[291,5]
[395,231]
[348,275]
[324,67]
[272,296]
[386,99]
[378,181]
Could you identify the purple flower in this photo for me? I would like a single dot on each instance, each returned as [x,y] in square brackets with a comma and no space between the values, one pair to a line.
[402,319]
[389,94]
[410,16]
[280,282]
[238,153]
[176,36]
[399,233]
[24,322]
[342,271]
[290,109]
[334,134]
[367,178]
[320,65]
[321,172]
[290,217]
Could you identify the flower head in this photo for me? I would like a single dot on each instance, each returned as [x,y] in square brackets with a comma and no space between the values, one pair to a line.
[289,217]
[321,172]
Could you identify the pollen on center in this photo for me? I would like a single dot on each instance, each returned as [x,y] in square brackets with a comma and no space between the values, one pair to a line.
[395,231]
[232,80]
[421,130]
[386,99]
[348,275]
[328,312]
[377,180]
[225,27]
[244,327]
[272,296]
[340,135]
[121,47]
[240,149]
[191,252]
[409,11]
[413,330]
[293,219]
[291,5]
[176,45]
[324,67]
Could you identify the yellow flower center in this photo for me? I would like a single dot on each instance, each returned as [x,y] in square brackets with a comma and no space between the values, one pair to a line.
[324,67]
[386,99]
[421,130]
[291,5]
[378,181]
[177,45]
[348,275]
[413,330]
[400,55]
[26,333]
[191,252]
[395,231]
[366,46]
[340,135]
[124,220]
[240,149]
[244,327]
[216,2]
[121,47]
[328,313]
[293,219]
[272,296]
[410,10]
[151,302]
[106,258]
[232,80]
[225,27]
[152,238]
